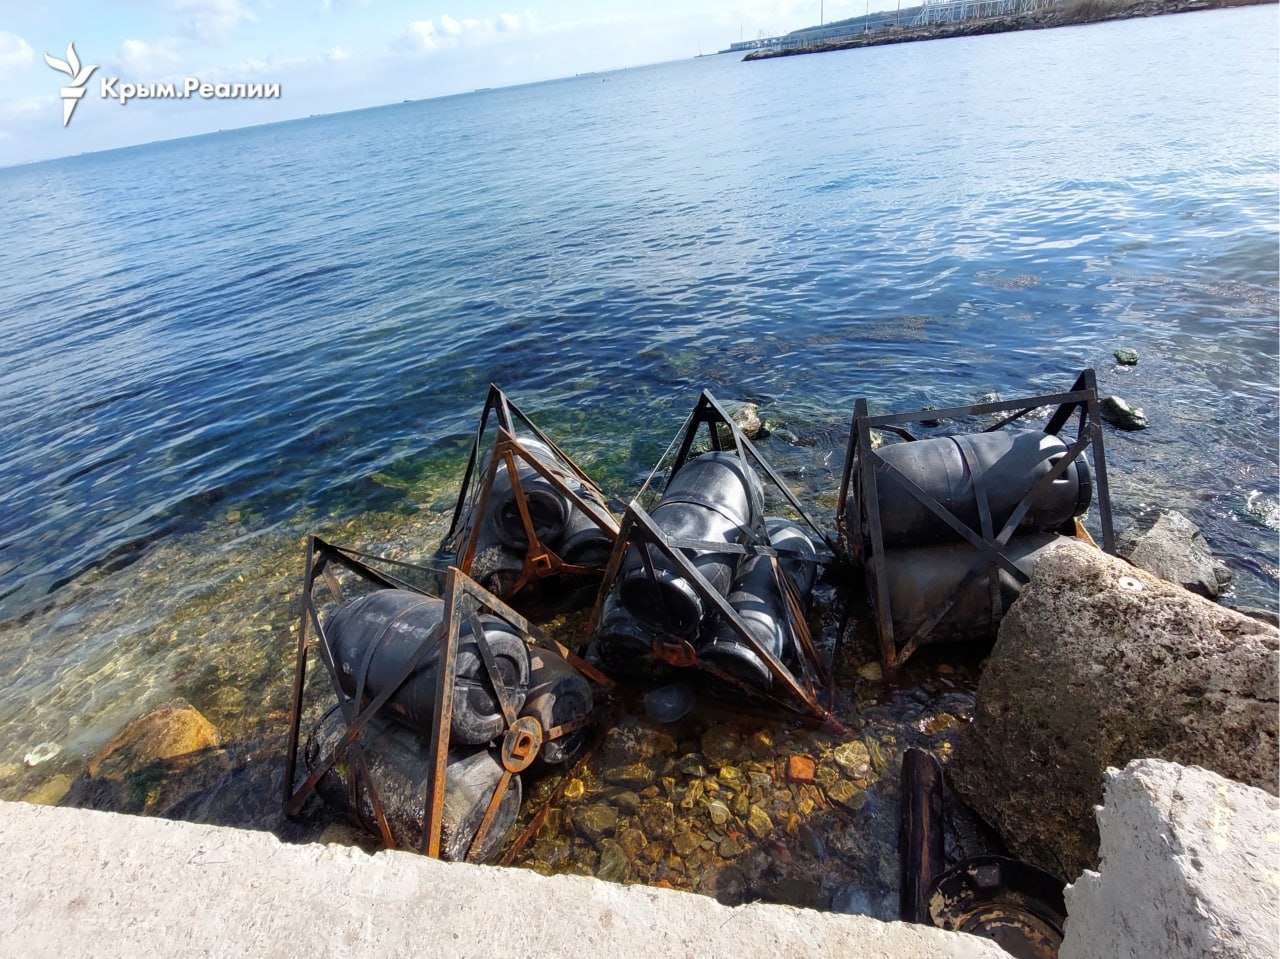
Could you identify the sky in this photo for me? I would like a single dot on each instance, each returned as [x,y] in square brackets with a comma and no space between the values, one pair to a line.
[329,55]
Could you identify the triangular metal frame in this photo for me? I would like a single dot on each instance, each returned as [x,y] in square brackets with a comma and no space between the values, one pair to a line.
[639,529]
[464,600]
[540,561]
[864,540]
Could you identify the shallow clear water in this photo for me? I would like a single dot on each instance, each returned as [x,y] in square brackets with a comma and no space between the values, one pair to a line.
[214,345]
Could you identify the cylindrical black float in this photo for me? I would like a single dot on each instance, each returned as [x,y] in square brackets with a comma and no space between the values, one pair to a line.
[558,694]
[375,635]
[796,552]
[1006,464]
[585,542]
[548,507]
[922,580]
[622,644]
[715,498]
[757,599]
[400,765]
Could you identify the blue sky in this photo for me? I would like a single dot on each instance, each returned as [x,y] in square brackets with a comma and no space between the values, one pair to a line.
[332,55]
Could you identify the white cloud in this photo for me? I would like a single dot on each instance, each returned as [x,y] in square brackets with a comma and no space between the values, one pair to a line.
[14,51]
[420,35]
[424,36]
[211,19]
[141,58]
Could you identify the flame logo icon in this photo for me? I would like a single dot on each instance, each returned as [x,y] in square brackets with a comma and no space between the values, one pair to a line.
[79,77]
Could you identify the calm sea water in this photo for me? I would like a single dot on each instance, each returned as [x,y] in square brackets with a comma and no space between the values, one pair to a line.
[212,345]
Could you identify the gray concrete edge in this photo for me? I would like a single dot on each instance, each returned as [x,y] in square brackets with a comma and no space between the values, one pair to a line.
[78,882]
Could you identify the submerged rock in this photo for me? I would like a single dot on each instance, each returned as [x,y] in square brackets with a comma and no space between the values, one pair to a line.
[747,416]
[1171,547]
[1099,663]
[1126,357]
[670,703]
[175,729]
[1121,415]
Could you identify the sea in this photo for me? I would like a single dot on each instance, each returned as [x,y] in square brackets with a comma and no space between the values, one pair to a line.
[212,347]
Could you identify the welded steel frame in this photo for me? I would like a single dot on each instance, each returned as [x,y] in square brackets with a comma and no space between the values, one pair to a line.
[639,529]
[464,601]
[865,540]
[540,561]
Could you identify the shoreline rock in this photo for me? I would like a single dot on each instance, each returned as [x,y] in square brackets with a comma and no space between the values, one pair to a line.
[1188,869]
[1099,663]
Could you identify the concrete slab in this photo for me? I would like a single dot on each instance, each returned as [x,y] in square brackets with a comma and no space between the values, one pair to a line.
[78,882]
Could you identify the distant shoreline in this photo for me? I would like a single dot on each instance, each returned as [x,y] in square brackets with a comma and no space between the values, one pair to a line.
[1078,12]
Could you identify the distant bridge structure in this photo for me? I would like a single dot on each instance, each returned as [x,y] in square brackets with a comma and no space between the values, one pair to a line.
[955,11]
[927,13]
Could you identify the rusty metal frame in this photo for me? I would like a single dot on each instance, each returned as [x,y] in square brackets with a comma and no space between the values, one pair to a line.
[540,561]
[858,508]
[464,600]
[709,412]
[639,529]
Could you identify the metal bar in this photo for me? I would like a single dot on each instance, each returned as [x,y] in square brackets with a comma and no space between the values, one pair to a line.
[728,614]
[491,669]
[490,811]
[1100,464]
[878,575]
[976,409]
[842,503]
[299,677]
[433,820]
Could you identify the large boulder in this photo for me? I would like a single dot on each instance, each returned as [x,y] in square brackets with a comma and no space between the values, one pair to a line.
[1098,663]
[1170,546]
[1188,869]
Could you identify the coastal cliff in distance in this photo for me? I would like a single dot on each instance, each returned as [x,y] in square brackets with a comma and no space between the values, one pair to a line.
[1065,14]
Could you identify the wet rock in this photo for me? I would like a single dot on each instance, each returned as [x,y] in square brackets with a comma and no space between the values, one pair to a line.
[800,769]
[632,841]
[1126,357]
[1170,546]
[759,823]
[842,791]
[632,776]
[857,900]
[626,802]
[615,864]
[721,745]
[1121,415]
[693,794]
[854,758]
[691,764]
[718,812]
[633,743]
[595,821]
[685,843]
[728,884]
[811,842]
[1188,858]
[51,792]
[747,416]
[574,789]
[801,893]
[657,818]
[175,729]
[871,672]
[739,804]
[1099,663]
[729,848]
